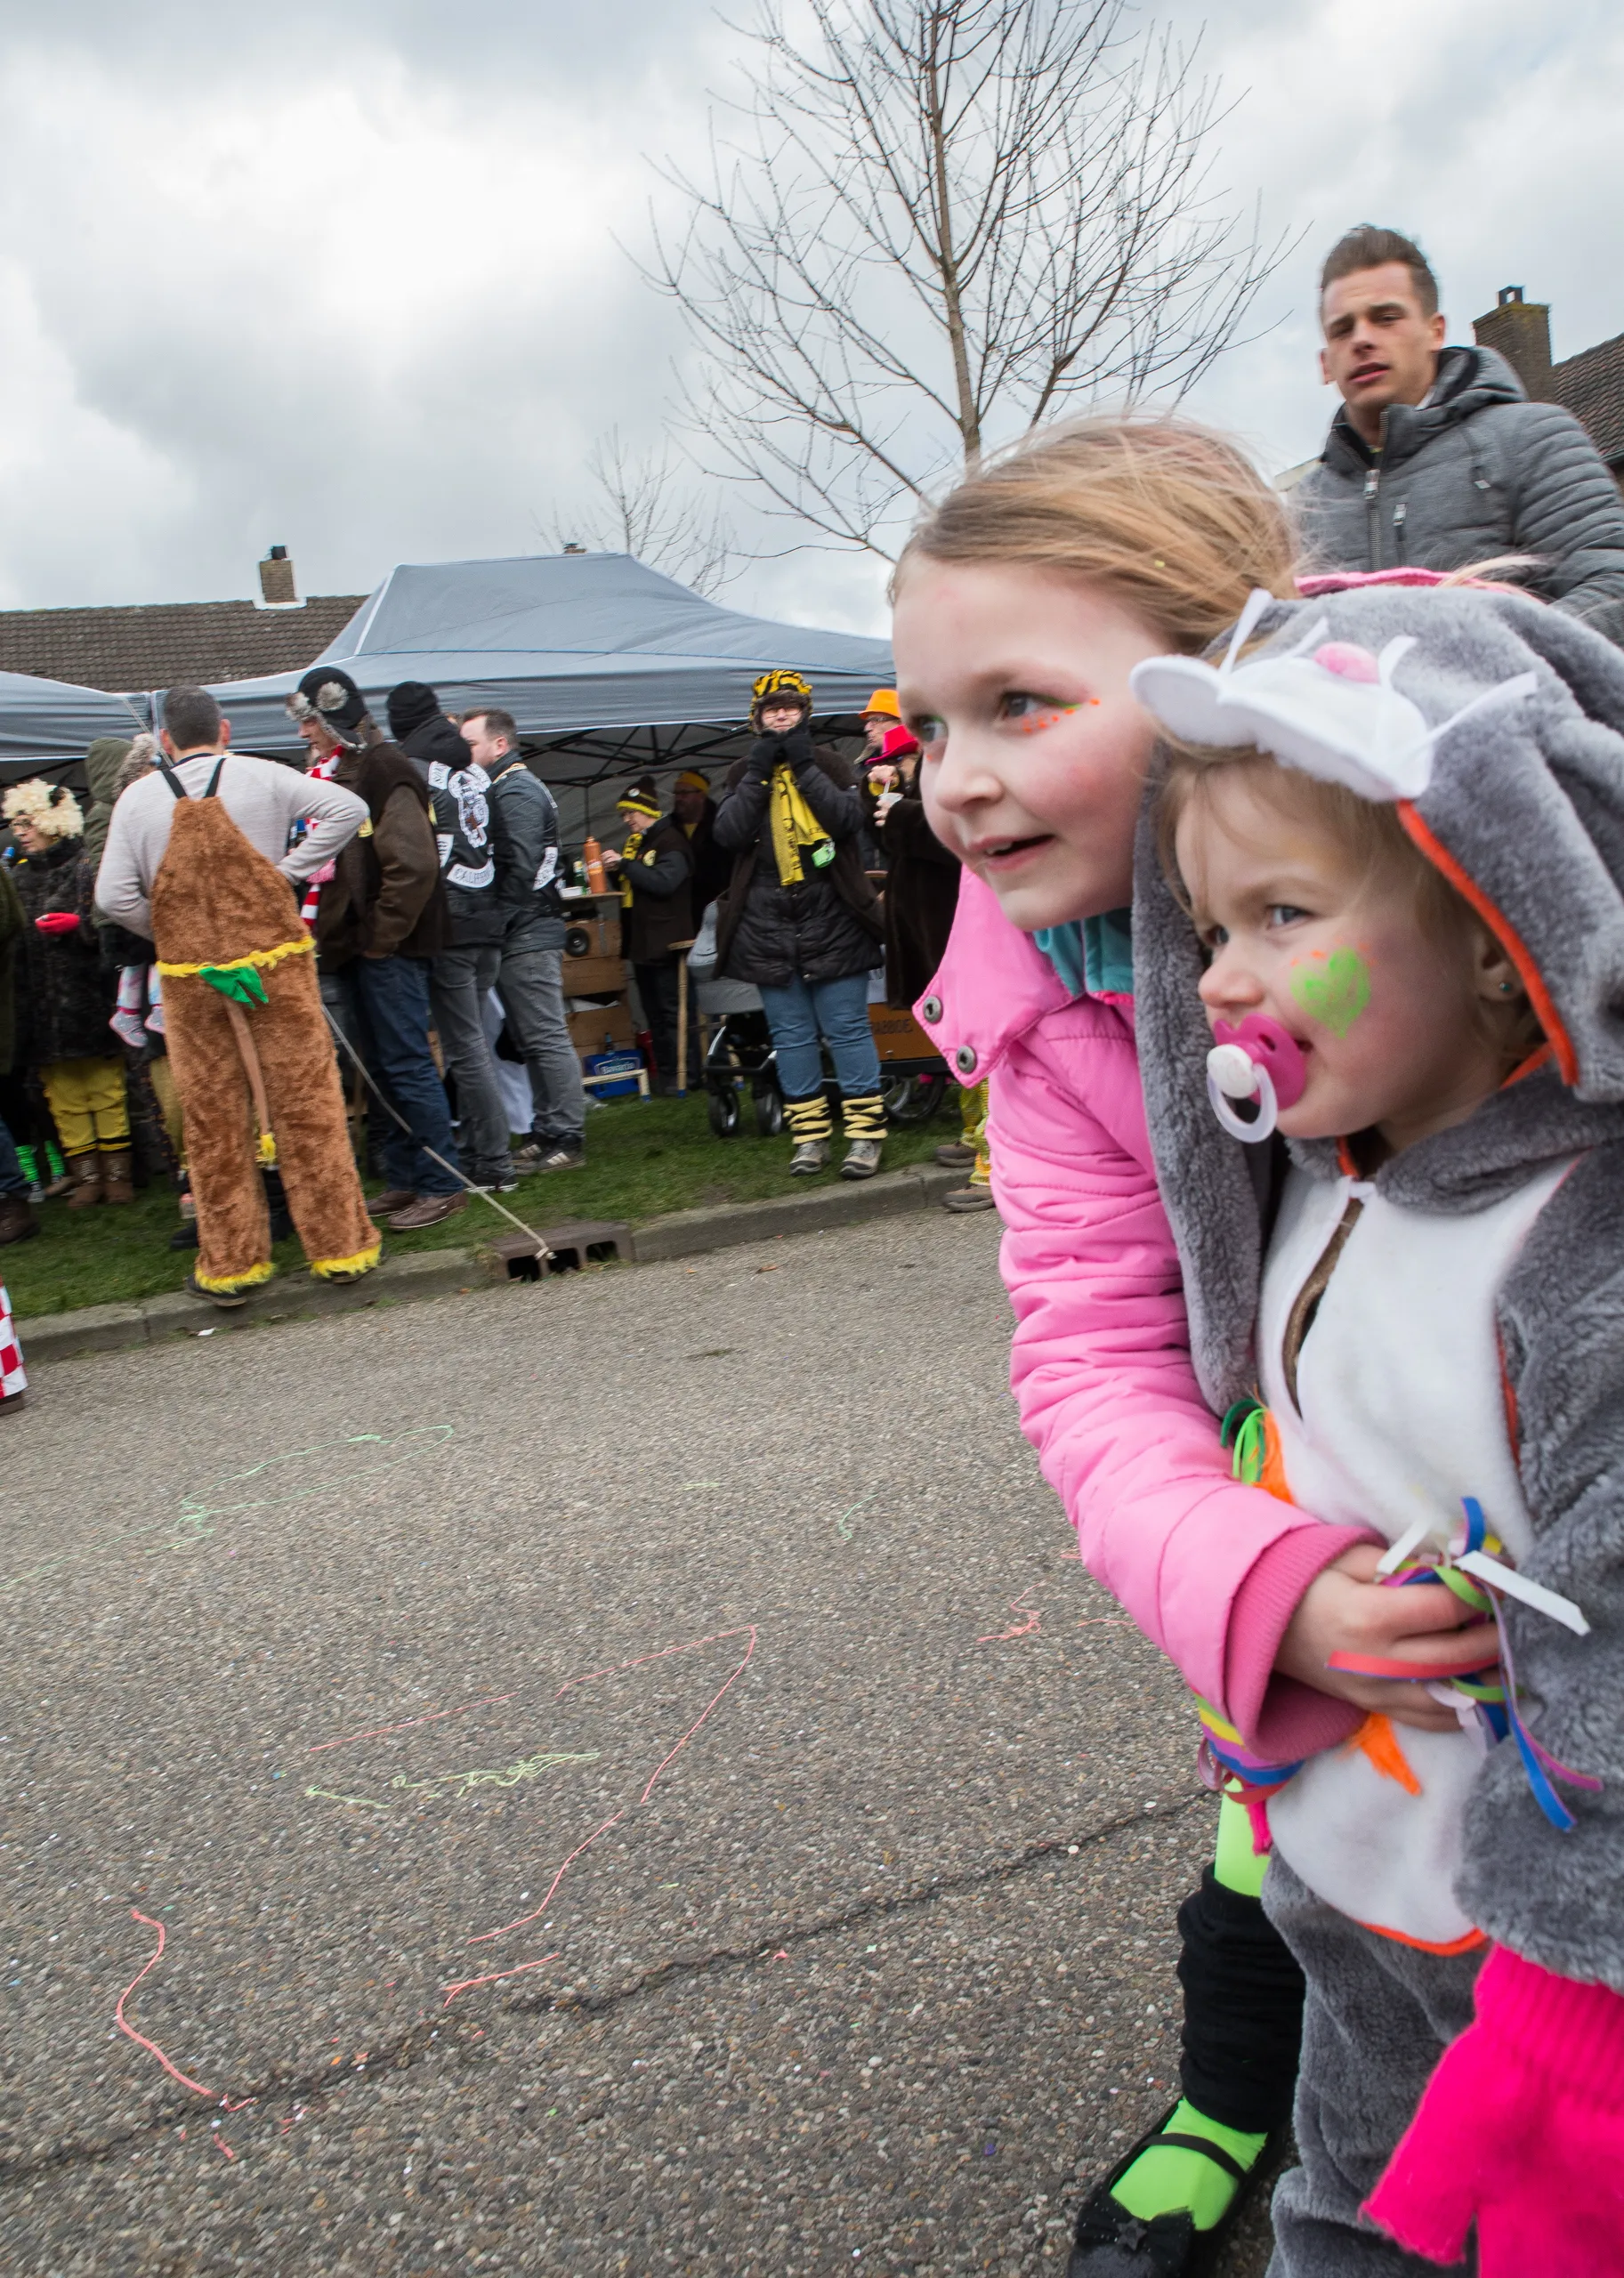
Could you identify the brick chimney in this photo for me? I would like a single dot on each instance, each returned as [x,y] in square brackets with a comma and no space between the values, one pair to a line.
[1521,331]
[276,580]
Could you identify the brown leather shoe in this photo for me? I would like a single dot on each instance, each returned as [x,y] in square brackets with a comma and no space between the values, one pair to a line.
[394,1197]
[85,1172]
[969,1198]
[17,1219]
[427,1210]
[117,1183]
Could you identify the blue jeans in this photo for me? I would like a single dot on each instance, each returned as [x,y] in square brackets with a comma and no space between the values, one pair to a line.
[11,1179]
[839,1011]
[386,1000]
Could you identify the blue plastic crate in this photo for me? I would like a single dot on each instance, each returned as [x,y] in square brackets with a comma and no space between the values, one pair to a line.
[628,1065]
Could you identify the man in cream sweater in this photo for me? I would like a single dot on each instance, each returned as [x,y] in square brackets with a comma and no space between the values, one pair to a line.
[264,799]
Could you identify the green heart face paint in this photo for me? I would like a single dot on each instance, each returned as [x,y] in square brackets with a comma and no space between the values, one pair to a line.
[1332,988]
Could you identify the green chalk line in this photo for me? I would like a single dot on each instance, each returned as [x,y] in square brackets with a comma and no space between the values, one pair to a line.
[462,1783]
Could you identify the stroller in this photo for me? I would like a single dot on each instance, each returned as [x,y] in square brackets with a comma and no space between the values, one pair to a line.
[740,1056]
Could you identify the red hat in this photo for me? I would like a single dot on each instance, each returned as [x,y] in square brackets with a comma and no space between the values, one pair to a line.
[899,741]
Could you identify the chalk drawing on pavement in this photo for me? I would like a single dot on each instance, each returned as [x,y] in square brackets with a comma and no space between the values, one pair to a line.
[331,1465]
[543,1771]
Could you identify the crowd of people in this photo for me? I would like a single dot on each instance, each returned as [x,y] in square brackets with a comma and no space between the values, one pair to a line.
[1261,879]
[200,966]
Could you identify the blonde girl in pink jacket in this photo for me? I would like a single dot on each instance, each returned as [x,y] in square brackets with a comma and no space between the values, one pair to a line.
[1022,604]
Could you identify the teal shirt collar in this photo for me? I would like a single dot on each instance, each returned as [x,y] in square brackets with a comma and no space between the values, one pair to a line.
[1091,956]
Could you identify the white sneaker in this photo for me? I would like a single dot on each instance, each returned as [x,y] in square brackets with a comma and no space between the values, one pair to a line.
[863,1159]
[809,1159]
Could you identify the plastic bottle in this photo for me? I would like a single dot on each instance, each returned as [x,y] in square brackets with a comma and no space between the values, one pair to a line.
[592,855]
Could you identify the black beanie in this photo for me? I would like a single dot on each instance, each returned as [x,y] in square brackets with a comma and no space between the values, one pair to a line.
[410,704]
[331,694]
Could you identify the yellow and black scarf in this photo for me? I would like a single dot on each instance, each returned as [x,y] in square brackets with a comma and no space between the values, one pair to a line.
[794,826]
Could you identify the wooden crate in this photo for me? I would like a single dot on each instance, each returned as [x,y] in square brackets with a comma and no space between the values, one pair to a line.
[598,968]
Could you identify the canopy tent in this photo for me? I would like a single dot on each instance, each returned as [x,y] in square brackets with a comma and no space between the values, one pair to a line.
[608,667]
[45,725]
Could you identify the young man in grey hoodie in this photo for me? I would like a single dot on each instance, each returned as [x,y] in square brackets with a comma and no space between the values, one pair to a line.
[1437,458]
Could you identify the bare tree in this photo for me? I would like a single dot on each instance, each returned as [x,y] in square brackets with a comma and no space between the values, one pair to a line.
[934,223]
[645,505]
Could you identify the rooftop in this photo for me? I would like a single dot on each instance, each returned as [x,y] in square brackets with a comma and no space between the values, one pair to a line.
[167,643]
[1591,387]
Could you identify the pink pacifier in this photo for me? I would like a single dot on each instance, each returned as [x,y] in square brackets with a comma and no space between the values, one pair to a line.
[1254,1059]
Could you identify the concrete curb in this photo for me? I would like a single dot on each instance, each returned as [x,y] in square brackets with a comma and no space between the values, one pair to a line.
[437,1273]
[686,1232]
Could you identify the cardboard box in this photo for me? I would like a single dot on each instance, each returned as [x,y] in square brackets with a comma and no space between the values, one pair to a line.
[592,976]
[587,1030]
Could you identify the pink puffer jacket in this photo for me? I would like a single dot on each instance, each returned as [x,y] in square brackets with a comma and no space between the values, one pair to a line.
[1211,1570]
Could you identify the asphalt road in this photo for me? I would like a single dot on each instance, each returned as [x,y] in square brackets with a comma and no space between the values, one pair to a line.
[628,1776]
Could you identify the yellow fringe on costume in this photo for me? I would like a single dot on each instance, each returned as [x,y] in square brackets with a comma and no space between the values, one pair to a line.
[229,1283]
[794,826]
[363,1262]
[262,958]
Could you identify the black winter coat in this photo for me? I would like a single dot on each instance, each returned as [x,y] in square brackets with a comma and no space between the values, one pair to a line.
[921,898]
[12,922]
[62,1000]
[463,830]
[1478,470]
[713,865]
[660,876]
[828,927]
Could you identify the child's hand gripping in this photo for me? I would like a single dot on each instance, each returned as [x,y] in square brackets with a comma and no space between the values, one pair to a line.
[1345,1609]
[1521,2131]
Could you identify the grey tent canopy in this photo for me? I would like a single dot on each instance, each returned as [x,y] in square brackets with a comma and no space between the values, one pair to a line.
[49,723]
[605,665]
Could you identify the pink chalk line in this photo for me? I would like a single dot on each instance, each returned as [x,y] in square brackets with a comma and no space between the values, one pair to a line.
[663,1654]
[125,2026]
[378,1731]
[1028,1629]
[491,1977]
[558,1877]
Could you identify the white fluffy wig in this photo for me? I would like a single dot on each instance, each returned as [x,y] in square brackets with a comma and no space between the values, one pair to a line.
[50,807]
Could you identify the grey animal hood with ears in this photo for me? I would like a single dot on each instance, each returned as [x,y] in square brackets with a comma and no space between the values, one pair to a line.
[1520,802]
[1523,808]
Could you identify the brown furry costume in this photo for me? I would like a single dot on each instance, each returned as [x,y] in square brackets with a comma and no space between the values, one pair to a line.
[219,907]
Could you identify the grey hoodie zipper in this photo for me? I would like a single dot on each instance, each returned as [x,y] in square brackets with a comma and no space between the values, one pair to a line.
[1398,533]
[1373,536]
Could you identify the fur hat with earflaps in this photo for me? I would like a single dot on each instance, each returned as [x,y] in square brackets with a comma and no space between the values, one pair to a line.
[328,694]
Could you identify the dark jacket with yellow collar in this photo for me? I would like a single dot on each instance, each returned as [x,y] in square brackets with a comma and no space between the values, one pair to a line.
[656,880]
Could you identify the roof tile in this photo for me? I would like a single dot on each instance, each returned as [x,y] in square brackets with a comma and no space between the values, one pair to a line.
[1591,387]
[167,643]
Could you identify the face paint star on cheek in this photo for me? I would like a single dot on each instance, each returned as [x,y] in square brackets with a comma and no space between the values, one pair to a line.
[1332,987]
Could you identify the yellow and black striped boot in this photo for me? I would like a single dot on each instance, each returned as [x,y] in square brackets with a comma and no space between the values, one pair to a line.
[865,1129]
[811,1128]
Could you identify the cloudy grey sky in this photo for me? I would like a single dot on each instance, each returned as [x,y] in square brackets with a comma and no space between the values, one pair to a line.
[345,274]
